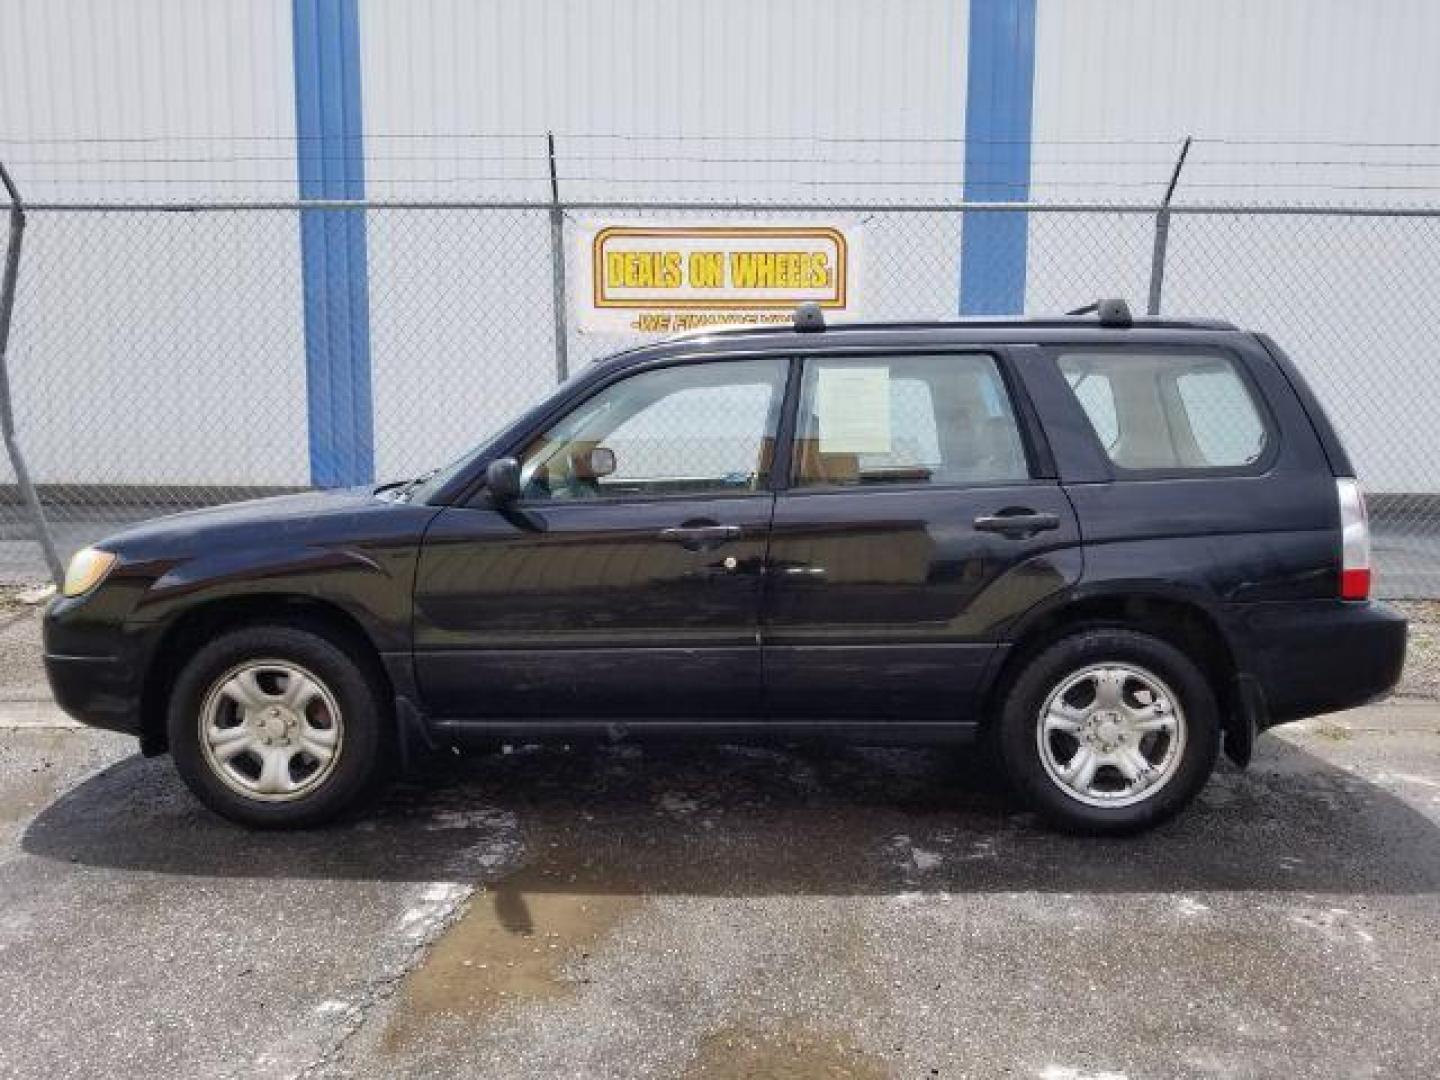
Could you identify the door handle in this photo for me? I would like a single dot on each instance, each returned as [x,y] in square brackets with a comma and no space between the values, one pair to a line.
[700,537]
[1017,524]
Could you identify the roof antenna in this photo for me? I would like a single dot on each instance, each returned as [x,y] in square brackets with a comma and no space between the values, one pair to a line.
[809,319]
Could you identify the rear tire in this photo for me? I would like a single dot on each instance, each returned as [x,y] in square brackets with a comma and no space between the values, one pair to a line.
[279,727]
[1109,731]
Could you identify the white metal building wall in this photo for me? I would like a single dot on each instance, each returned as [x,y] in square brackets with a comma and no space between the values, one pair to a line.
[200,96]
[165,370]
[148,99]
[739,82]
[733,73]
[1307,101]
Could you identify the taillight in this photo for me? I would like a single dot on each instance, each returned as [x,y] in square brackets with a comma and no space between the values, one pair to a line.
[1354,541]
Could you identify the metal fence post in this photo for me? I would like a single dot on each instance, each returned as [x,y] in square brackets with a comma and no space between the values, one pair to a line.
[1162,234]
[557,269]
[7,414]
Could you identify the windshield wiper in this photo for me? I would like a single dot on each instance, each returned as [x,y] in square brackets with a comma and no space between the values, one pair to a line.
[403,495]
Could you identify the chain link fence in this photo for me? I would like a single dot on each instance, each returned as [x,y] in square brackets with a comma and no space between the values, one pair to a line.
[157,357]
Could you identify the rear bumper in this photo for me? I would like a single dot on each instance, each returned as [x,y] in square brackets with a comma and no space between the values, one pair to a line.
[1312,657]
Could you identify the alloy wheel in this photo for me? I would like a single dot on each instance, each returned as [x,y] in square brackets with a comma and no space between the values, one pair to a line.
[270,730]
[1111,735]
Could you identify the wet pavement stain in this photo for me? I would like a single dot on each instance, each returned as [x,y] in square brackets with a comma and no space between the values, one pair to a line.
[789,1053]
[677,822]
[510,947]
[624,849]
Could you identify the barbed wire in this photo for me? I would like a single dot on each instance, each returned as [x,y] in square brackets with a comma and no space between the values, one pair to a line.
[757,166]
[294,137]
[890,162]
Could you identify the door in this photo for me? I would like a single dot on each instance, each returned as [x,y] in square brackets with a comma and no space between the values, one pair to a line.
[625,582]
[911,532]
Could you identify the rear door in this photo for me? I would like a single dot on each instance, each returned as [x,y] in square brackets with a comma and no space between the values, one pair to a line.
[919,519]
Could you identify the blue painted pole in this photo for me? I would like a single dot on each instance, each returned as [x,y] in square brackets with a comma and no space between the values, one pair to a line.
[1000,85]
[333,249]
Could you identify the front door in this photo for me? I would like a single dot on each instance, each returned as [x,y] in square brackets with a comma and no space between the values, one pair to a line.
[625,582]
[913,529]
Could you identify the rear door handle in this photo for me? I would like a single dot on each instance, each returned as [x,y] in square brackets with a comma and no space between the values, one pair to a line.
[1017,524]
[701,537]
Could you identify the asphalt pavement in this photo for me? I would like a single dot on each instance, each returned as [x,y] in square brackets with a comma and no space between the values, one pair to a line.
[733,911]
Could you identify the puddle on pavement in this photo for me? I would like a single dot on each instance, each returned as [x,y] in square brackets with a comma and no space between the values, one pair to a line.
[509,947]
[605,831]
[786,1053]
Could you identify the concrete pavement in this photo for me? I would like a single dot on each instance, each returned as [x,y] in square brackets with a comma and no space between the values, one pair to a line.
[724,912]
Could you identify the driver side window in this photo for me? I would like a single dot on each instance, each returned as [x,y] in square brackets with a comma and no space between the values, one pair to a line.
[685,430]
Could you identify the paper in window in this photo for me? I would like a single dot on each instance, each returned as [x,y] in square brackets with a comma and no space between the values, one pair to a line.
[854,409]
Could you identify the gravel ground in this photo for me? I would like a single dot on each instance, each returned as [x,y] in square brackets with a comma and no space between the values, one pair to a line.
[1422,657]
[22,673]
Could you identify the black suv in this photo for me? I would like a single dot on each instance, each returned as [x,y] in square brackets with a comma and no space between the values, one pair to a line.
[1105,547]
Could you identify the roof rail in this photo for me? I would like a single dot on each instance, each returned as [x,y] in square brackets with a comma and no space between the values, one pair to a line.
[809,319]
[1108,312]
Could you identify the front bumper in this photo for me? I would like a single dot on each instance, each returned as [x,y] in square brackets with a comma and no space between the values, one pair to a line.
[1311,657]
[95,660]
[101,691]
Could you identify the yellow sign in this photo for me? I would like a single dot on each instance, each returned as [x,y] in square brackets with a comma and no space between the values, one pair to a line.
[646,278]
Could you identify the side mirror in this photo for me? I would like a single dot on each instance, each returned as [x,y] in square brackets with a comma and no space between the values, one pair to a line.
[502,479]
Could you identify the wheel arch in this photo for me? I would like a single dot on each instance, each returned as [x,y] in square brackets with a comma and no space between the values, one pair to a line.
[1174,616]
[191,630]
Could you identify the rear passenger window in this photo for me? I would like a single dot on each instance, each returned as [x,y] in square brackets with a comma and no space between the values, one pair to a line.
[906,420]
[1169,411]
[1222,417]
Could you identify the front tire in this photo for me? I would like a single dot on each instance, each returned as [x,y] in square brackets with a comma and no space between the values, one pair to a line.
[1109,731]
[279,727]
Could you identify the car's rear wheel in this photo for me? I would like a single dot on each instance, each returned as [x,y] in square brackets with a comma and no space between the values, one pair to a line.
[1109,730]
[277,726]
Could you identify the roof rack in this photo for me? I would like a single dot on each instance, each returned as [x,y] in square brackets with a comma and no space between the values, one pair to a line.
[1112,314]
[809,319]
[1108,312]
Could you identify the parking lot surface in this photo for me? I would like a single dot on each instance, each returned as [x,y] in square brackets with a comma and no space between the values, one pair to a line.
[705,911]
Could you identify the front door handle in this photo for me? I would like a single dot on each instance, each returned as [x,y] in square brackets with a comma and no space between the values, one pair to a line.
[1017,524]
[701,537]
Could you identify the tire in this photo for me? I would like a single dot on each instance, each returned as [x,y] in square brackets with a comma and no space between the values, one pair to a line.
[278,727]
[1108,692]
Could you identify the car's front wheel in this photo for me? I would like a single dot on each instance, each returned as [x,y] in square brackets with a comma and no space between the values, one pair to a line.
[279,727]
[1109,730]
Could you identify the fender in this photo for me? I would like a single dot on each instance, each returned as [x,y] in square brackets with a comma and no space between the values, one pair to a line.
[372,591]
[1119,591]
[1241,704]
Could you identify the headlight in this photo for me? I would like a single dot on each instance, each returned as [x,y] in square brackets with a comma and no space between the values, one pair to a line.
[87,569]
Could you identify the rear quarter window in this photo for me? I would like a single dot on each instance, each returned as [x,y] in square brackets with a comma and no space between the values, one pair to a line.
[1168,411]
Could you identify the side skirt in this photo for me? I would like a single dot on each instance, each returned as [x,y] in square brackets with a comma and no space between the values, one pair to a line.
[461,732]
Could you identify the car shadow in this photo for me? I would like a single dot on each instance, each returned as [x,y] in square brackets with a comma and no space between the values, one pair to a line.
[700,819]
